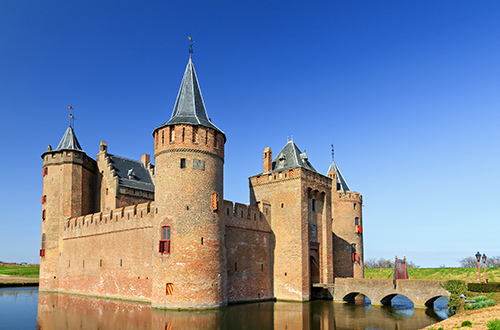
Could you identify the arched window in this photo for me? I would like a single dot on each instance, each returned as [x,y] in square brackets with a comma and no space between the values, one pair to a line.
[165,240]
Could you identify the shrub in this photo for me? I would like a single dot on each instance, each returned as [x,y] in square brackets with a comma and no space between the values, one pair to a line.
[480,304]
[466,324]
[479,298]
[493,324]
[484,287]
[456,288]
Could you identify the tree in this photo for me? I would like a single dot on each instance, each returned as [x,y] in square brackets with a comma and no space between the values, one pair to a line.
[382,263]
[471,262]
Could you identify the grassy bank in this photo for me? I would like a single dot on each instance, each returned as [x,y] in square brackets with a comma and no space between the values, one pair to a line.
[22,271]
[464,274]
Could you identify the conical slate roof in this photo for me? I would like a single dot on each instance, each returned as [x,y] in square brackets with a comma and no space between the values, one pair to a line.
[189,107]
[69,141]
[341,183]
[290,157]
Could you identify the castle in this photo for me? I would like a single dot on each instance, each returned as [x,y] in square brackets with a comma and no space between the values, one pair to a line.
[120,228]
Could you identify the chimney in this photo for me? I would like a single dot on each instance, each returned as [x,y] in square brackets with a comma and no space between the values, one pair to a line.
[268,160]
[145,160]
[103,147]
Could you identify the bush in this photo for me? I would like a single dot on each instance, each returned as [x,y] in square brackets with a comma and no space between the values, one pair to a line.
[466,324]
[456,288]
[493,324]
[480,304]
[484,287]
[479,298]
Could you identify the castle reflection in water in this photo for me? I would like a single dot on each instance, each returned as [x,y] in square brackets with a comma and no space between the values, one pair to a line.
[59,311]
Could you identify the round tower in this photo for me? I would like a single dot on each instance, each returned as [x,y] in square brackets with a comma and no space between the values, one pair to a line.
[190,258]
[347,227]
[67,176]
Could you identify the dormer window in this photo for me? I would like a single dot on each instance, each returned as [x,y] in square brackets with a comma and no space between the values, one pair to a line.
[131,174]
[282,159]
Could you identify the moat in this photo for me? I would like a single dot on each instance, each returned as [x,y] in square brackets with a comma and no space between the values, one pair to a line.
[26,308]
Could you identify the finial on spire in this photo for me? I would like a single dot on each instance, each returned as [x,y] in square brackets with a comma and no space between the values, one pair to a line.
[71,117]
[292,138]
[333,152]
[191,42]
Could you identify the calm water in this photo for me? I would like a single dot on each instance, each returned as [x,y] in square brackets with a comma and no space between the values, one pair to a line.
[25,308]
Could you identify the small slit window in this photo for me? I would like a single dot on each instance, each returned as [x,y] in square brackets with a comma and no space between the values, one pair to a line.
[183,162]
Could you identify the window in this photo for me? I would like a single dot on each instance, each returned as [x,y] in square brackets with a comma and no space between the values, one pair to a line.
[313,205]
[162,138]
[356,221]
[45,171]
[354,205]
[44,199]
[183,162]
[183,134]
[43,241]
[107,192]
[195,134]
[165,240]
[171,134]
[43,214]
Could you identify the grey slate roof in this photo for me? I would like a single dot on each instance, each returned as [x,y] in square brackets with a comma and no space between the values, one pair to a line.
[69,141]
[341,183]
[290,157]
[123,167]
[189,107]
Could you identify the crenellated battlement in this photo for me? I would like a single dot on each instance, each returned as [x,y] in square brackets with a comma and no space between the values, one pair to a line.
[245,216]
[348,196]
[124,218]
[181,136]
[68,156]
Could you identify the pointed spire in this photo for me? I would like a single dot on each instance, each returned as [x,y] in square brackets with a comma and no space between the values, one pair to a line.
[341,182]
[69,141]
[189,107]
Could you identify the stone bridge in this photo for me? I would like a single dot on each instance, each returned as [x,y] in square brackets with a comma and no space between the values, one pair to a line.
[422,293]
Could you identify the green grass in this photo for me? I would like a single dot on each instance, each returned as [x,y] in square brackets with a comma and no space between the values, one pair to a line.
[464,274]
[23,271]
[493,324]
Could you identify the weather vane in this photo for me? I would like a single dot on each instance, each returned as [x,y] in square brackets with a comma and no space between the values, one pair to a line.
[71,117]
[333,152]
[191,42]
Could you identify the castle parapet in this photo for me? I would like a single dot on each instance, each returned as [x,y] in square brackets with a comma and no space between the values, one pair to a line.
[349,196]
[125,218]
[244,216]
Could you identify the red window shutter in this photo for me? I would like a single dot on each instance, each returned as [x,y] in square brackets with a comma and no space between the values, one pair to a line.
[359,230]
[43,199]
[167,247]
[160,248]
[42,252]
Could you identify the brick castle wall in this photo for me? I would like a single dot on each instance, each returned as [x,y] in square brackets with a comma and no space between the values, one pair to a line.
[249,251]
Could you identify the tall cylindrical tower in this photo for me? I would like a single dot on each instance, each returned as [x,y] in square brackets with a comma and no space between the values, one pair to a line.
[347,227]
[68,175]
[189,250]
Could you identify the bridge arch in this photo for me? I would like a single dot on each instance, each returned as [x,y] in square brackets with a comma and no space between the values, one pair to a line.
[350,297]
[430,303]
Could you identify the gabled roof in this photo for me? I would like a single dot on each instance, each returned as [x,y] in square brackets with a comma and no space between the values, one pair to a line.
[341,183]
[142,179]
[189,107]
[69,141]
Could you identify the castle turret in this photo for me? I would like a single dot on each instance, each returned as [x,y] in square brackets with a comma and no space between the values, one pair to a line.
[347,227]
[68,176]
[189,155]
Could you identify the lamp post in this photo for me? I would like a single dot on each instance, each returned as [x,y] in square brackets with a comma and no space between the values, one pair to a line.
[478,258]
[484,265]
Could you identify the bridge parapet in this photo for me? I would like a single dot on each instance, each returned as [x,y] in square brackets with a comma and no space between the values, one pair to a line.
[422,293]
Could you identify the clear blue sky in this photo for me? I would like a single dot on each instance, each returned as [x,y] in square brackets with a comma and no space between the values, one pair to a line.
[407,91]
